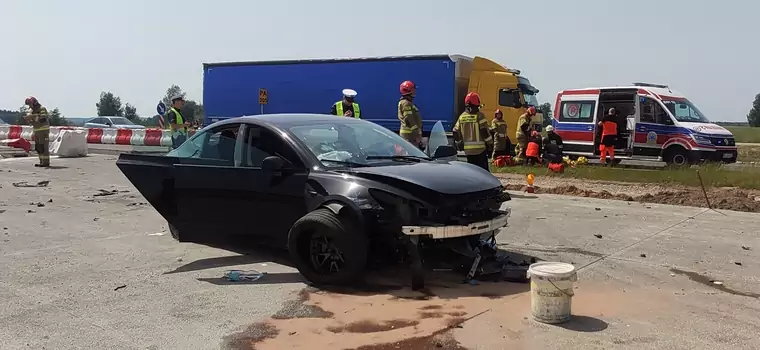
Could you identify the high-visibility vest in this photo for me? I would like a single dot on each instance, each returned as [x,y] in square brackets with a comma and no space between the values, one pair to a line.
[339,109]
[469,125]
[180,121]
[609,128]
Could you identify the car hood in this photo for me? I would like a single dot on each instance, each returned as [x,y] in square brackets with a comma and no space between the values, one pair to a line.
[707,128]
[439,176]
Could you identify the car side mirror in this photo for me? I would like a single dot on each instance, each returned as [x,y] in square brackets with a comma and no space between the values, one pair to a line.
[273,164]
[444,151]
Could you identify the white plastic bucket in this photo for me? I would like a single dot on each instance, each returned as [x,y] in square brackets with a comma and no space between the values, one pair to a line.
[551,291]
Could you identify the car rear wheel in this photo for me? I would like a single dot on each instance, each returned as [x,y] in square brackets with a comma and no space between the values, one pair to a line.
[327,249]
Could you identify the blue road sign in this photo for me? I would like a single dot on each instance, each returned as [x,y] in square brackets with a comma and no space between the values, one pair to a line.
[161,108]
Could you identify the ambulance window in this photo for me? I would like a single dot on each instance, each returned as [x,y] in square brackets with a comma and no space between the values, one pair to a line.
[509,98]
[647,110]
[577,111]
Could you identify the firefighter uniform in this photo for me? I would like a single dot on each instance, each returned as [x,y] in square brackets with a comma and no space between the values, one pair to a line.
[473,129]
[339,109]
[522,133]
[41,125]
[501,142]
[411,122]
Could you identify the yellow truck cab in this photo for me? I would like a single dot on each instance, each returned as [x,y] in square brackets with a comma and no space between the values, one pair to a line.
[501,88]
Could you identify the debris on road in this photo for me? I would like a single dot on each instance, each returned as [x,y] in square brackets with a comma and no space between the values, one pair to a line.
[2,211]
[50,200]
[746,248]
[95,219]
[30,211]
[598,235]
[26,184]
[238,275]
[103,193]
[597,209]
[120,287]
[737,263]
[157,234]
[642,255]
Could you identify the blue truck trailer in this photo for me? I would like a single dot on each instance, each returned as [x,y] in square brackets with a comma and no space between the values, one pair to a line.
[232,89]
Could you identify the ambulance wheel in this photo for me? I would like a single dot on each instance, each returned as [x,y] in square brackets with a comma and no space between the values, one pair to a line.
[676,156]
[327,249]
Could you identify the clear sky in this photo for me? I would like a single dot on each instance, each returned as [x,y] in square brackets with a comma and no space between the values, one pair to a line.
[67,52]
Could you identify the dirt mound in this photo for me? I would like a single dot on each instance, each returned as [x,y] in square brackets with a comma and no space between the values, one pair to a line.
[720,198]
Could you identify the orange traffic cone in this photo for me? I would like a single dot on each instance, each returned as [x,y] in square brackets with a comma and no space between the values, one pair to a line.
[530,188]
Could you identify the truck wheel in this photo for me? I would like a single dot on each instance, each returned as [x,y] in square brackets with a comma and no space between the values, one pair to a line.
[676,156]
[327,249]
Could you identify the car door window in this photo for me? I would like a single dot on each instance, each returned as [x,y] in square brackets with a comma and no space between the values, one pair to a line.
[260,143]
[217,144]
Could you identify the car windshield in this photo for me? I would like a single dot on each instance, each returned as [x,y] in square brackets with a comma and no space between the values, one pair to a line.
[121,121]
[685,111]
[355,144]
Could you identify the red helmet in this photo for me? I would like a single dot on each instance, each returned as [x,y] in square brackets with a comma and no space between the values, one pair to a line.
[407,88]
[472,99]
[31,101]
[531,110]
[534,133]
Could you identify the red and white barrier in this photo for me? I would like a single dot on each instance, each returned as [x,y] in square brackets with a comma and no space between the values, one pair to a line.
[134,137]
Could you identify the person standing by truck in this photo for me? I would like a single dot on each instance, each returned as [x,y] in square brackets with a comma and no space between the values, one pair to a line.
[609,136]
[409,114]
[347,107]
[470,131]
[501,142]
[177,123]
[38,118]
[524,127]
[552,146]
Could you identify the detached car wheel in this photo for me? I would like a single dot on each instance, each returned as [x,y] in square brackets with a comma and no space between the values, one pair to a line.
[327,249]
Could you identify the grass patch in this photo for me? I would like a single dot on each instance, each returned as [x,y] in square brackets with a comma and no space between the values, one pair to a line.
[713,176]
[749,153]
[745,134]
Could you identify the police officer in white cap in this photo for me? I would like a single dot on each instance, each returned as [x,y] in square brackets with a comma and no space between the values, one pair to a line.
[347,107]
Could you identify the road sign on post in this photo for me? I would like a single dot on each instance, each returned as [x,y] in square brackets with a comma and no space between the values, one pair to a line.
[263,98]
[161,108]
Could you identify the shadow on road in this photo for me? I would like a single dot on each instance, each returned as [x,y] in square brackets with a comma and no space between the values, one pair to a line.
[585,324]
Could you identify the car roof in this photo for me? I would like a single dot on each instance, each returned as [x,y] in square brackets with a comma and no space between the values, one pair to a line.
[288,120]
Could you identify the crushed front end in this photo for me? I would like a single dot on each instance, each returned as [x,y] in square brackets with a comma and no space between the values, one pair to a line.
[420,230]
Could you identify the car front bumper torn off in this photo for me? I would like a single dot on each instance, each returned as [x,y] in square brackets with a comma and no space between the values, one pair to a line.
[454,231]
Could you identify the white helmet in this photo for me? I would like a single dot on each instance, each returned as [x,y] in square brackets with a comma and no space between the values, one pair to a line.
[549,128]
[177,97]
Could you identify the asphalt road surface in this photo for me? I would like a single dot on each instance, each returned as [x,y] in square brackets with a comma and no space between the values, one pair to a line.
[86,264]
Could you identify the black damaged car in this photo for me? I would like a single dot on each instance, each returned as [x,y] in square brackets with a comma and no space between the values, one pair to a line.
[328,188]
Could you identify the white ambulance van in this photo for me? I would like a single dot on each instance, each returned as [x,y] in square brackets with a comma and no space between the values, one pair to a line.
[655,123]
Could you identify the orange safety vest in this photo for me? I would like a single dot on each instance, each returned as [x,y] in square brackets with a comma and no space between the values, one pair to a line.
[609,128]
[532,149]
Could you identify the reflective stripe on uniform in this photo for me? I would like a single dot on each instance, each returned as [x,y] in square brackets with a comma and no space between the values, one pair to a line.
[468,126]
[42,128]
[339,109]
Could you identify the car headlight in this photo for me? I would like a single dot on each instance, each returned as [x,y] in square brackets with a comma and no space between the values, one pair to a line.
[702,140]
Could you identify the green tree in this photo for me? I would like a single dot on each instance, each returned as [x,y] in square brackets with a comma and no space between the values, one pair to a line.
[9,116]
[546,109]
[24,110]
[130,112]
[753,118]
[109,105]
[191,111]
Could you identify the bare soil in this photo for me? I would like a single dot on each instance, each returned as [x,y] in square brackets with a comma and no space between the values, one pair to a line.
[726,198]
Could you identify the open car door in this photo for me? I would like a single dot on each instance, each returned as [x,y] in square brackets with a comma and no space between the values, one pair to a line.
[437,138]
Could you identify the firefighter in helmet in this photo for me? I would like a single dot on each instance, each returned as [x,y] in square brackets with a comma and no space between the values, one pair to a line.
[471,132]
[409,114]
[347,107]
[524,128]
[38,118]
[501,142]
